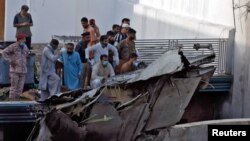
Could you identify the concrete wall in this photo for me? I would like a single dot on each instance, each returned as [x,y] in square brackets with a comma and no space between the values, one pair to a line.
[183,19]
[12,7]
[238,105]
[50,17]
[151,19]
[195,131]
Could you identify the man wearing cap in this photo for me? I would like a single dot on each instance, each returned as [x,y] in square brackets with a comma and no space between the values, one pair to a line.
[49,82]
[23,22]
[16,54]
[126,21]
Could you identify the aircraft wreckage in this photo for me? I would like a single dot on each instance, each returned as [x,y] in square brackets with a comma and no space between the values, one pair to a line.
[129,107]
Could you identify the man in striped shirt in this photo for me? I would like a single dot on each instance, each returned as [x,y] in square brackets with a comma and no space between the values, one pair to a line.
[121,35]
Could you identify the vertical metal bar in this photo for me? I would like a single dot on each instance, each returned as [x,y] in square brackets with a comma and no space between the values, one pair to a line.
[219,57]
[169,44]
[225,57]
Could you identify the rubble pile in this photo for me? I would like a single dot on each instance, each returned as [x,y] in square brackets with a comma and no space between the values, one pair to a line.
[129,107]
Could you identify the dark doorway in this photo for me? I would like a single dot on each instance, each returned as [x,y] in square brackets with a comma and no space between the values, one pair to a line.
[2,19]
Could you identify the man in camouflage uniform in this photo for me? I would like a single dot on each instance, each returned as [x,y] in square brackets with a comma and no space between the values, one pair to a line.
[16,54]
[127,46]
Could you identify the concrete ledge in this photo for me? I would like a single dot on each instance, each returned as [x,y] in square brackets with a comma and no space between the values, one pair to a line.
[197,131]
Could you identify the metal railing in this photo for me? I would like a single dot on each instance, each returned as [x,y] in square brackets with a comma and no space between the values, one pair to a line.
[150,49]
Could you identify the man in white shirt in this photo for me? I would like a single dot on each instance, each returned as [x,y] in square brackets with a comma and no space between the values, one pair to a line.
[103,47]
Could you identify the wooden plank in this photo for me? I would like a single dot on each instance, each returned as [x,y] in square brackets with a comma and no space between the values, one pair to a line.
[2,19]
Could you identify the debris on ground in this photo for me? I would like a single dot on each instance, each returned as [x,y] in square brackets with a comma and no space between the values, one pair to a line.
[32,95]
[129,107]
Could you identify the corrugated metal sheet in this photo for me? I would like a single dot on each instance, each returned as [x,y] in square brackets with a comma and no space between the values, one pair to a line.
[14,112]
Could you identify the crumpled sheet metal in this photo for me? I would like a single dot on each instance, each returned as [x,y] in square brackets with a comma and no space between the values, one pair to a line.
[168,63]
[121,78]
[202,59]
[160,103]
[134,119]
[62,128]
[104,124]
[89,94]
[205,72]
[171,103]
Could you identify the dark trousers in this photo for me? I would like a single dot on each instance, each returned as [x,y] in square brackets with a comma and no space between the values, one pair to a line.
[28,42]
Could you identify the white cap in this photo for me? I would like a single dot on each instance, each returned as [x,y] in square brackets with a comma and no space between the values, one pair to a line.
[125,25]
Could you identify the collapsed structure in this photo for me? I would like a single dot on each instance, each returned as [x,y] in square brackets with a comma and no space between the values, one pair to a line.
[129,107]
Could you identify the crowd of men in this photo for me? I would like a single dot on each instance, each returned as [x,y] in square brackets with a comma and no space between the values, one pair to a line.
[88,64]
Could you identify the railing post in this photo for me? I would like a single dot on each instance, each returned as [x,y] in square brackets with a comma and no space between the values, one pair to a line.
[229,51]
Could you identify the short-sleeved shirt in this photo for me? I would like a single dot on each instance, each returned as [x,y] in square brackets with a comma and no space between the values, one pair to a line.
[80,48]
[25,29]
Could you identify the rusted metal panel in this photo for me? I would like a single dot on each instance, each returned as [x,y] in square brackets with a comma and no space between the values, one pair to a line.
[171,103]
